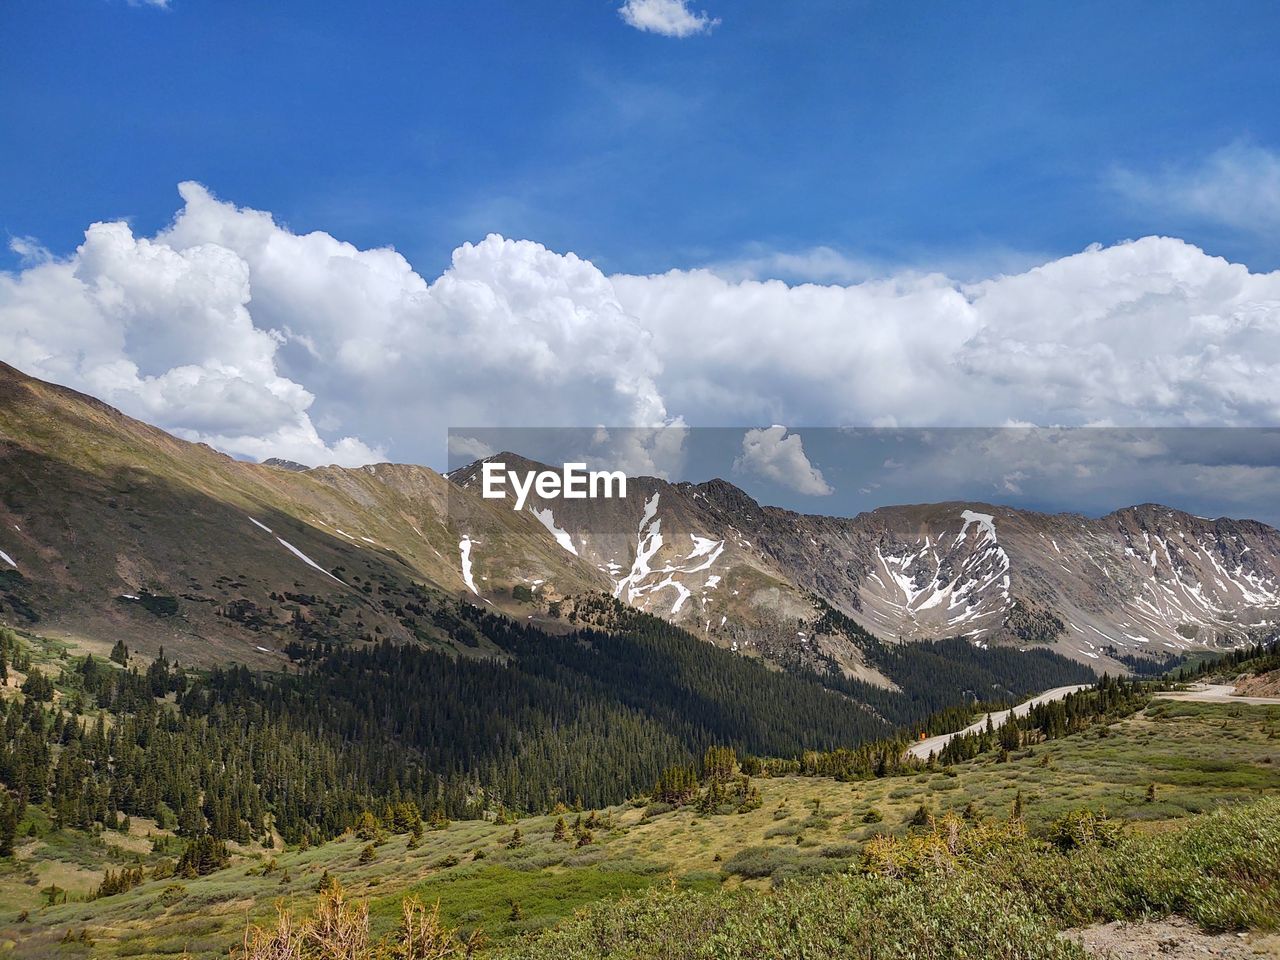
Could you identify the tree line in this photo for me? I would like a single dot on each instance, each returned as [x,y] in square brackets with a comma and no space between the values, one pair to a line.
[588,718]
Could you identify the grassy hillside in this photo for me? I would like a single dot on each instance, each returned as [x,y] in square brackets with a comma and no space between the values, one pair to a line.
[1155,771]
[100,511]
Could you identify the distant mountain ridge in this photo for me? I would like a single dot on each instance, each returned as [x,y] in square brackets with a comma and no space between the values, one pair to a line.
[1142,581]
[113,529]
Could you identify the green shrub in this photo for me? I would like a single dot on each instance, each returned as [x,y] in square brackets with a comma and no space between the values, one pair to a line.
[835,917]
[843,851]
[172,893]
[782,830]
[954,888]
[1082,828]
[757,862]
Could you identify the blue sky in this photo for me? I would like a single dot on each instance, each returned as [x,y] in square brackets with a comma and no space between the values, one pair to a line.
[961,134]
[329,232]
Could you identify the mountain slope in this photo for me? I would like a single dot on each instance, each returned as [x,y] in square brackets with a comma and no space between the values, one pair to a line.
[110,528]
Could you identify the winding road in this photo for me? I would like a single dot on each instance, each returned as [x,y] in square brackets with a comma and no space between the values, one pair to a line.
[923,748]
[1198,693]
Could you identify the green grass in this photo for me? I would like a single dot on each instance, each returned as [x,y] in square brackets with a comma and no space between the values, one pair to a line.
[987,890]
[1200,757]
[484,897]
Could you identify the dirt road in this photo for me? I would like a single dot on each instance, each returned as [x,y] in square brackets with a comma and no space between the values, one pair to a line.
[1171,939]
[922,749]
[1216,693]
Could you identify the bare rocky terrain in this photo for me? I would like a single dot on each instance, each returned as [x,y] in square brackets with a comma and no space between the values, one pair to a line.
[1263,685]
[1172,939]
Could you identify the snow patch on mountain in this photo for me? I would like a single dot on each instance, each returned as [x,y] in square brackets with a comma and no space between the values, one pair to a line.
[464,549]
[712,554]
[702,546]
[548,520]
[683,592]
[985,521]
[648,543]
[938,585]
[305,559]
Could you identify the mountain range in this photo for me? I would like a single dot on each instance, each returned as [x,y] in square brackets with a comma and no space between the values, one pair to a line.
[113,529]
[1144,581]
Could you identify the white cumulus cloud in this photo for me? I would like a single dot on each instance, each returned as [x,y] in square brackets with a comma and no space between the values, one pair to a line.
[167,335]
[1148,332]
[212,327]
[467,449]
[772,453]
[671,18]
[227,327]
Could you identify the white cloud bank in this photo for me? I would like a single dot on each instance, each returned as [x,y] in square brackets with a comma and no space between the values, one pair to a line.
[229,328]
[212,328]
[1147,332]
[775,455]
[671,18]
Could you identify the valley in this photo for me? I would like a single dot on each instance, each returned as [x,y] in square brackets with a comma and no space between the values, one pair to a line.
[639,480]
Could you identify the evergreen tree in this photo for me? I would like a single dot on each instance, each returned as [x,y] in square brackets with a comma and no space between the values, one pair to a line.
[8,823]
[203,855]
[719,764]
